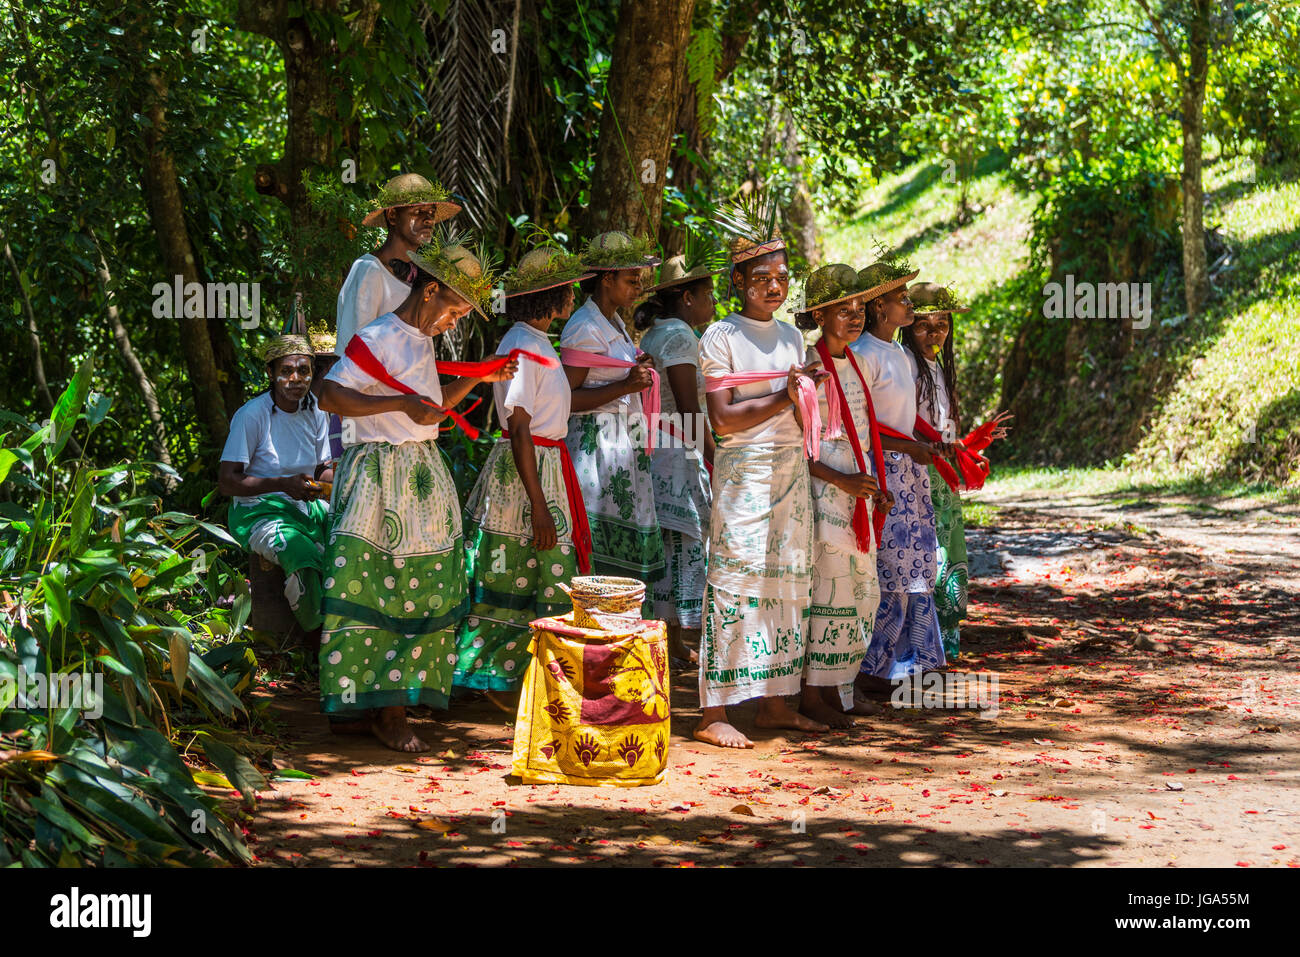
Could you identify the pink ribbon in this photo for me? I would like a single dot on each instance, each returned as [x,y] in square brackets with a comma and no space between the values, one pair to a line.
[649,395]
[808,411]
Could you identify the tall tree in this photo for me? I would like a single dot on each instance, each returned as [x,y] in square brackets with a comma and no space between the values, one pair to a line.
[640,116]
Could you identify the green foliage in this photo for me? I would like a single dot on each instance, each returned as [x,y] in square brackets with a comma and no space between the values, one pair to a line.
[100,585]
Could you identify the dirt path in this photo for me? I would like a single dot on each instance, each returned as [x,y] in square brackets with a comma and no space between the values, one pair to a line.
[1149,686]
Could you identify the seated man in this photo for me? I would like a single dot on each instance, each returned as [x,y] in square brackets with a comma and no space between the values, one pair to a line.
[274,466]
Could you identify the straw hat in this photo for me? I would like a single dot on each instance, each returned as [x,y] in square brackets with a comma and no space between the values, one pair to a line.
[410,189]
[751,220]
[699,259]
[828,285]
[616,250]
[884,275]
[929,298]
[322,341]
[542,268]
[282,346]
[469,274]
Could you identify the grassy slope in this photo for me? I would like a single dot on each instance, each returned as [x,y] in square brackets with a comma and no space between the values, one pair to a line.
[1228,408]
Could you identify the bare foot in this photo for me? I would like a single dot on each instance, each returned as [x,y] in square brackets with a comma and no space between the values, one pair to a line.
[722,734]
[813,704]
[716,730]
[391,728]
[775,713]
[507,701]
[864,705]
[677,648]
[872,687]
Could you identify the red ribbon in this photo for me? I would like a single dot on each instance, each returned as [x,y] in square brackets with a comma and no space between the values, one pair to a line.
[369,363]
[973,471]
[861,526]
[477,370]
[577,507]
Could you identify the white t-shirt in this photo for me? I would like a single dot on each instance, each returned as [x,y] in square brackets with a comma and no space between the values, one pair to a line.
[671,342]
[856,399]
[272,443]
[934,409]
[588,330]
[407,354]
[543,393]
[890,377]
[741,344]
[369,292]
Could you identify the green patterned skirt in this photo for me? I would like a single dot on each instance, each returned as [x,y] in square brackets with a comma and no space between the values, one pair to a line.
[620,499]
[954,573]
[511,583]
[394,580]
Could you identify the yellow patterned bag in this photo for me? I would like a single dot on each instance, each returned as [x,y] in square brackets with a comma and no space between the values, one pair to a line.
[594,705]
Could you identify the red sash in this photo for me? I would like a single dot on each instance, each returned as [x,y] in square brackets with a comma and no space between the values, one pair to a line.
[861,525]
[369,363]
[577,507]
[487,366]
[972,470]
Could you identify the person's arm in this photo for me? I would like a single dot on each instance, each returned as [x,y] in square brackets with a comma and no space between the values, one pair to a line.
[729,414]
[454,392]
[682,380]
[857,484]
[349,403]
[525,456]
[233,481]
[584,399]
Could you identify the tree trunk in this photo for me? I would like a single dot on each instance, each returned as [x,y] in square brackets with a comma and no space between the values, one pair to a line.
[1196,282]
[133,365]
[800,214]
[38,363]
[645,82]
[167,214]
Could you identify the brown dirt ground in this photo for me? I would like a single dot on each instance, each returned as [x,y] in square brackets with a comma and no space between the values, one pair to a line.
[1149,684]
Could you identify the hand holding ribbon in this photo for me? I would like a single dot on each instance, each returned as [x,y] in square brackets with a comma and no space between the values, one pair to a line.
[649,395]
[806,401]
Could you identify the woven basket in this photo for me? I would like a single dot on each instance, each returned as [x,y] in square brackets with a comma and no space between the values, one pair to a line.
[604,601]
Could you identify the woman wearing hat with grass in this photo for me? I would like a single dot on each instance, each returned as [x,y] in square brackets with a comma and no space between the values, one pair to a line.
[928,341]
[395,566]
[409,206]
[759,587]
[848,504]
[679,305]
[607,429]
[525,522]
[905,639]
[273,466]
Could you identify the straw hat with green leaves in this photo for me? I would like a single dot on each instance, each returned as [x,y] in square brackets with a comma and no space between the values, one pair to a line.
[699,259]
[828,285]
[929,299]
[323,340]
[448,258]
[884,275]
[545,267]
[752,223]
[410,189]
[616,250]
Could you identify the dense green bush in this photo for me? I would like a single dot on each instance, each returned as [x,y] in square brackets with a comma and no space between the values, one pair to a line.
[98,583]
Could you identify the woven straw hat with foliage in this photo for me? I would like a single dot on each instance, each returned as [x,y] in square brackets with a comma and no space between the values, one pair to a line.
[884,275]
[410,189]
[752,223]
[322,340]
[698,259]
[544,267]
[829,285]
[615,250]
[282,346]
[932,299]
[469,273]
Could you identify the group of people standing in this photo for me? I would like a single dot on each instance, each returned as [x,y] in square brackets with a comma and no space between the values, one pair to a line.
[790,508]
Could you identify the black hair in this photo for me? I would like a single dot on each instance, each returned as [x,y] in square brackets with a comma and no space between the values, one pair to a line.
[407,271]
[925,386]
[530,306]
[667,302]
[805,321]
[592,283]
